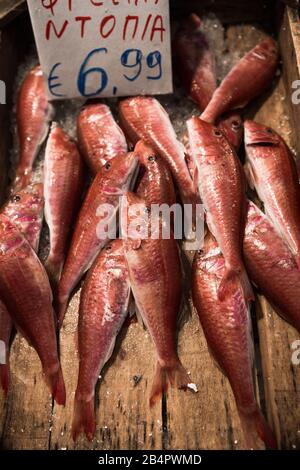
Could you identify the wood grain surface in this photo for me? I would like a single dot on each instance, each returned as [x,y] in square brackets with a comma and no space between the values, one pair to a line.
[182,420]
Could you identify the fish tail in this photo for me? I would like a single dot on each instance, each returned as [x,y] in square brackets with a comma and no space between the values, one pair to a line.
[4,378]
[164,375]
[83,419]
[62,308]
[257,430]
[54,268]
[231,279]
[56,384]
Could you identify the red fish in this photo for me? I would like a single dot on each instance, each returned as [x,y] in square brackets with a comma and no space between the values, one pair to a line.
[222,190]
[64,177]
[111,181]
[103,308]
[227,328]
[143,118]
[6,327]
[25,210]
[156,282]
[197,70]
[155,183]
[232,126]
[26,292]
[196,65]
[247,79]
[272,170]
[34,113]
[271,266]
[100,138]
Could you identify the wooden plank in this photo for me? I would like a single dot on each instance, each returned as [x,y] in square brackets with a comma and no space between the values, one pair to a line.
[228,11]
[124,419]
[289,40]
[281,377]
[9,9]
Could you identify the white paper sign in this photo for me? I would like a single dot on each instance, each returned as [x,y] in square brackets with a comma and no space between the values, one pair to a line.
[91,48]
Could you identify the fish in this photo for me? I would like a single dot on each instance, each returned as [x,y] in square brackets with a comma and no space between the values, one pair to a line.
[227,328]
[25,210]
[104,304]
[222,189]
[63,180]
[26,292]
[99,137]
[156,282]
[143,118]
[96,220]
[251,76]
[272,266]
[271,170]
[196,67]
[155,183]
[195,63]
[232,126]
[34,114]
[6,328]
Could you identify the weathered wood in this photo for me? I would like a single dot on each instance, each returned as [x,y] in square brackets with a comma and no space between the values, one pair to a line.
[281,377]
[124,418]
[9,9]
[183,420]
[289,40]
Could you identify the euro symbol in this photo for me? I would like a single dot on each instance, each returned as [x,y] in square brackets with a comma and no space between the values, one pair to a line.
[53,78]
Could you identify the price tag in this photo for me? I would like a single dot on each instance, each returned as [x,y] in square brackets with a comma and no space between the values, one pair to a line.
[91,48]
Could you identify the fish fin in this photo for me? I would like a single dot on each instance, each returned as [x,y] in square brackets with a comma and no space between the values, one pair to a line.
[175,375]
[83,419]
[256,430]
[250,176]
[231,280]
[4,378]
[56,384]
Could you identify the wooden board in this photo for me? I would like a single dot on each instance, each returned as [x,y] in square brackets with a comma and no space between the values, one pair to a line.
[9,9]
[182,420]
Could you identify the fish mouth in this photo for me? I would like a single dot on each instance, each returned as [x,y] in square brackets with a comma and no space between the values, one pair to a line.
[132,175]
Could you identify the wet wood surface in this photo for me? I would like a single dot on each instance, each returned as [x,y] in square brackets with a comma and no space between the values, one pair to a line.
[182,420]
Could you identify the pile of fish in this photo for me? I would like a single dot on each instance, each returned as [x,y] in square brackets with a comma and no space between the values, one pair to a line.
[243,248]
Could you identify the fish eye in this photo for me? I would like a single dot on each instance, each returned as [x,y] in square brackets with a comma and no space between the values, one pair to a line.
[152,158]
[16,198]
[217,133]
[269,131]
[107,166]
[236,125]
[108,248]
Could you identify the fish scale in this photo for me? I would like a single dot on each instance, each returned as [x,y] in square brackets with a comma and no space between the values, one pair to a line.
[104,303]
[227,328]
[272,266]
[99,137]
[111,181]
[26,292]
[156,282]
[271,169]
[222,189]
[34,113]
[63,180]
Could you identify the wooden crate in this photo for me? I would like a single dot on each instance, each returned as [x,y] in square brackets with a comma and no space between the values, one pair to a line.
[207,420]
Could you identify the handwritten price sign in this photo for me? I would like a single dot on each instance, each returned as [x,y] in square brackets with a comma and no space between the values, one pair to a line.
[90,48]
